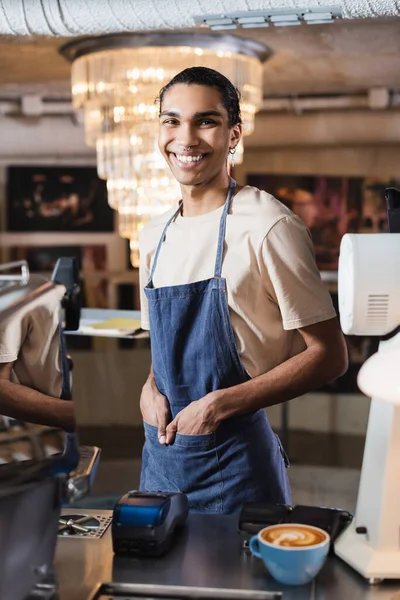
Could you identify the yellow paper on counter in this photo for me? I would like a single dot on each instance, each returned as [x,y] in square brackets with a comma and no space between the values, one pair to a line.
[119,323]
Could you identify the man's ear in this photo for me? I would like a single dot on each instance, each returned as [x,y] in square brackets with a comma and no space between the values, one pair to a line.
[236,135]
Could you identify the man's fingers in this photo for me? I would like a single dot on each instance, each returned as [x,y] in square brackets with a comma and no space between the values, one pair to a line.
[171,431]
[162,431]
[163,419]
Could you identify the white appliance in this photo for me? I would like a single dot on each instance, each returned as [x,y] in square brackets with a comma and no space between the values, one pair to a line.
[369,304]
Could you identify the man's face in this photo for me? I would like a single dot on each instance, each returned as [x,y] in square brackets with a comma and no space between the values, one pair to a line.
[194,135]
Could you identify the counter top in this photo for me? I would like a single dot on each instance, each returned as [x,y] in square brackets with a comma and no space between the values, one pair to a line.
[206,554]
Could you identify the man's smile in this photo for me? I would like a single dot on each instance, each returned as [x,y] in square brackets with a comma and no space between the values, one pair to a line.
[187,161]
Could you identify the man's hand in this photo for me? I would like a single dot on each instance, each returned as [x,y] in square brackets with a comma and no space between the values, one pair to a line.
[198,418]
[155,408]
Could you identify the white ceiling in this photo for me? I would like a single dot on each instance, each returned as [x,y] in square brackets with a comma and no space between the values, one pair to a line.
[345,56]
[348,56]
[75,17]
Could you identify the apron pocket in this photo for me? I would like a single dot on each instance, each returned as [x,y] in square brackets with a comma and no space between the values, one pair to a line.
[189,465]
[205,441]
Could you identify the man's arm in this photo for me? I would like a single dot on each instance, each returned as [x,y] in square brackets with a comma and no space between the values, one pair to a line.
[323,360]
[21,402]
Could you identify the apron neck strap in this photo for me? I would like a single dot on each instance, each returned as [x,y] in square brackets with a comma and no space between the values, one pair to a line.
[221,236]
[161,241]
[222,228]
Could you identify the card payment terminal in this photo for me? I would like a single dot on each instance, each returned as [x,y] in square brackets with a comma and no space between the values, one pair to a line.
[144,523]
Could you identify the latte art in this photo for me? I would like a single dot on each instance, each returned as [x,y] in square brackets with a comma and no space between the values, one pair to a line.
[296,536]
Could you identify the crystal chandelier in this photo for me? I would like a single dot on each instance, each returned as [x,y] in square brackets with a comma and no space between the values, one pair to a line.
[116,80]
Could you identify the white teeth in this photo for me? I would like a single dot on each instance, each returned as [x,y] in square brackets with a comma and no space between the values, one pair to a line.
[189,159]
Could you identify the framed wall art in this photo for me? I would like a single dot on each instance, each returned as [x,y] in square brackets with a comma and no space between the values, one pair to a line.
[57,199]
[331,207]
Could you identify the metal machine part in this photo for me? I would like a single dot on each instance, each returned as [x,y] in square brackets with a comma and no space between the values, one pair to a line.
[22,276]
[129,591]
[144,523]
[79,525]
[80,480]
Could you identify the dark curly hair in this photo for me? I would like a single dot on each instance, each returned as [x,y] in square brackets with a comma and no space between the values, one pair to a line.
[209,77]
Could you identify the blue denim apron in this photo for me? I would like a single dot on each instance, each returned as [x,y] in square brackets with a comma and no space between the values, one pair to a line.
[194,353]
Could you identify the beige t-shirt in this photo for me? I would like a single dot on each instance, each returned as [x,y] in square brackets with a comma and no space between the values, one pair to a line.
[29,337]
[273,284]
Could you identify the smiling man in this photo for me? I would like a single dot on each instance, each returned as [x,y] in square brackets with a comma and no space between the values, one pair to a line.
[238,316]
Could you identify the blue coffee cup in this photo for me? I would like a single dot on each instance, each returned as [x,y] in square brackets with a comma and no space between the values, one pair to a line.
[291,565]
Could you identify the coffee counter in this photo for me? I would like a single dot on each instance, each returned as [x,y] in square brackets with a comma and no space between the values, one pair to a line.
[206,554]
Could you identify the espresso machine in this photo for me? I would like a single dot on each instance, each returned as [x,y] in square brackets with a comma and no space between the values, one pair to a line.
[369,304]
[41,468]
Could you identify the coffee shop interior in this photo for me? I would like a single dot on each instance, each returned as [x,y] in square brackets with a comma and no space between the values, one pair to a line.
[320,86]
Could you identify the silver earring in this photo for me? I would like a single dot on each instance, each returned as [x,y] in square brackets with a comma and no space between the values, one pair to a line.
[232,153]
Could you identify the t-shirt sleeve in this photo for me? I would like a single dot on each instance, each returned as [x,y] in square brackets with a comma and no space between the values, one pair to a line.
[144,274]
[13,331]
[292,276]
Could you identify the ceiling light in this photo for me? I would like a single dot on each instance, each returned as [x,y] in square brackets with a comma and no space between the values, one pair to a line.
[278,16]
[115,81]
[317,16]
[248,20]
[220,22]
[283,18]
[287,23]
[223,27]
[253,25]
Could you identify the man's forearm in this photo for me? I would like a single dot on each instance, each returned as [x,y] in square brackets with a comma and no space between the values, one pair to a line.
[21,402]
[306,371]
